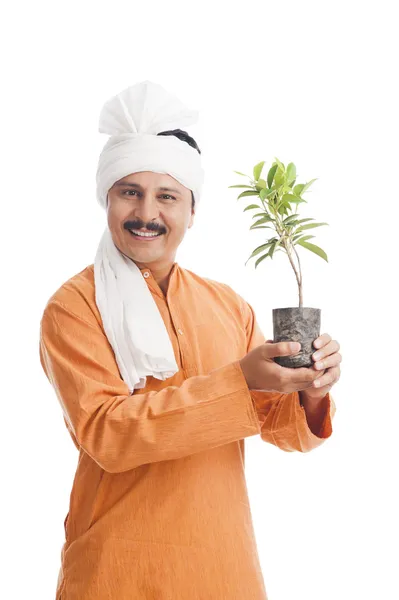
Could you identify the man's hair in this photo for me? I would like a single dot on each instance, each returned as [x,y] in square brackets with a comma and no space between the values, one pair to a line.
[183,135]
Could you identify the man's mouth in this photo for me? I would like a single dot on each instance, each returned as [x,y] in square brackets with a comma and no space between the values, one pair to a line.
[145,234]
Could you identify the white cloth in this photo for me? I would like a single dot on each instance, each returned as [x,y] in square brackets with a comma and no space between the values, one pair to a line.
[131,319]
[130,316]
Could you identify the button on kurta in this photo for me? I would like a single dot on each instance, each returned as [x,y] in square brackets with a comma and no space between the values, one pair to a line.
[146,274]
[180,331]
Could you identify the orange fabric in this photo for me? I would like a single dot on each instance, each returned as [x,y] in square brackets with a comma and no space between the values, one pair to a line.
[159,506]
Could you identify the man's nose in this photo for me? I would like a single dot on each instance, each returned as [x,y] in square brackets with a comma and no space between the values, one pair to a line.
[147,210]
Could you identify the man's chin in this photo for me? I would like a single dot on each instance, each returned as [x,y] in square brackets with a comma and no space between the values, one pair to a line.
[140,254]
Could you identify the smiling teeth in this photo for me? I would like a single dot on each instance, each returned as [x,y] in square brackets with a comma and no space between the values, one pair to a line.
[144,234]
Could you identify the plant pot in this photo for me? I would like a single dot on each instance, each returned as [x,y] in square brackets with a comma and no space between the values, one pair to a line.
[297,324]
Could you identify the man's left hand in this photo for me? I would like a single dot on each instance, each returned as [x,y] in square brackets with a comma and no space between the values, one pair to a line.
[327,360]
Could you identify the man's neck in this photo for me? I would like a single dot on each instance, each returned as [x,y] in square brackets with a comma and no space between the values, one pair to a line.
[161,274]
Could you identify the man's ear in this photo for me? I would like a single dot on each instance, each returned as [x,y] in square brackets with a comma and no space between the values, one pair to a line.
[191,219]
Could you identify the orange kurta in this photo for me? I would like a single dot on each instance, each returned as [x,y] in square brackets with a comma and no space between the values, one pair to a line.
[159,505]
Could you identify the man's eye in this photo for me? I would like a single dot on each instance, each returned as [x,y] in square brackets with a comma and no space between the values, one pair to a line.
[130,192]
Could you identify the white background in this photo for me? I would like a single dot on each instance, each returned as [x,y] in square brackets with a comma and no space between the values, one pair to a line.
[310,82]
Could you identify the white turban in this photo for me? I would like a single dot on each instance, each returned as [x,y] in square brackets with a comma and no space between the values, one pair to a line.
[131,319]
[134,118]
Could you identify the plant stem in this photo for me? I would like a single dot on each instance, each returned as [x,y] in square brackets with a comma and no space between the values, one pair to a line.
[286,242]
[300,278]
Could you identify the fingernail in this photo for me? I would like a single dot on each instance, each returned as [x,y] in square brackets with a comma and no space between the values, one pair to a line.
[316,383]
[295,346]
[317,355]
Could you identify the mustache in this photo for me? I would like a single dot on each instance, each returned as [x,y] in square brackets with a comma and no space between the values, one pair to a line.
[140,225]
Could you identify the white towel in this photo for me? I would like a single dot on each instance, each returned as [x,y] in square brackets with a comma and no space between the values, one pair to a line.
[131,319]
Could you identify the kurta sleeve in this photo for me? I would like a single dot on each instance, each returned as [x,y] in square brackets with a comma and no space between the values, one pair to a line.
[281,416]
[122,431]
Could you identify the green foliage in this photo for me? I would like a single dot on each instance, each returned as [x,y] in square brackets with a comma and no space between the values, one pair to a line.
[309,226]
[270,175]
[247,193]
[313,248]
[251,206]
[258,170]
[280,196]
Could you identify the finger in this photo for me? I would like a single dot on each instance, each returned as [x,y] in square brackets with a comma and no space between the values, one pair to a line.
[328,378]
[300,375]
[281,349]
[331,361]
[330,348]
[322,340]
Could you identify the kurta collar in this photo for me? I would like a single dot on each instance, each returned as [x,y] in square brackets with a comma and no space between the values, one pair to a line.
[153,285]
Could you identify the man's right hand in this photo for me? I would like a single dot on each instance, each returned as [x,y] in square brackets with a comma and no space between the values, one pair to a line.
[263,373]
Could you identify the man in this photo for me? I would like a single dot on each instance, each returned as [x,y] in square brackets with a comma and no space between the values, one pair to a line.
[161,374]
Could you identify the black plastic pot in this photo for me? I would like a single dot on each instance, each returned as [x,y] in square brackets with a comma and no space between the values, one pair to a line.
[296,324]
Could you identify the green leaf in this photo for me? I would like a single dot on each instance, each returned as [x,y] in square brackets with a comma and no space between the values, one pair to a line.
[310,226]
[293,216]
[261,184]
[248,193]
[258,170]
[291,172]
[307,185]
[297,200]
[290,223]
[302,237]
[281,209]
[251,206]
[240,186]
[265,193]
[261,221]
[262,214]
[290,198]
[280,164]
[304,220]
[238,173]
[313,248]
[271,174]
[263,247]
[279,177]
[259,249]
[261,258]
[261,227]
[298,189]
[273,248]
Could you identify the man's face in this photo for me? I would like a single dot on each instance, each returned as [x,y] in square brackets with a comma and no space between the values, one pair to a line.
[137,202]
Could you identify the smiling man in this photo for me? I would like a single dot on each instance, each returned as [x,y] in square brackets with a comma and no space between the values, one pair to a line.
[161,374]
[134,206]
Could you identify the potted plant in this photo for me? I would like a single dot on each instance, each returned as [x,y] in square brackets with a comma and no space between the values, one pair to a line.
[277,196]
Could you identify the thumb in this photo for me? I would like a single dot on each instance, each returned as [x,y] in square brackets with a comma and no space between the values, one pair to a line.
[281,348]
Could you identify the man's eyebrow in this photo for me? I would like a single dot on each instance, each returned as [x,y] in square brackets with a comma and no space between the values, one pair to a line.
[137,185]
